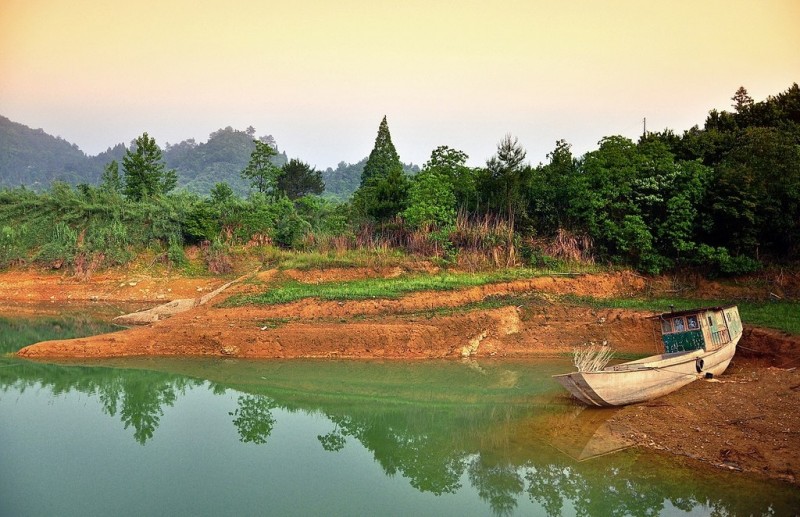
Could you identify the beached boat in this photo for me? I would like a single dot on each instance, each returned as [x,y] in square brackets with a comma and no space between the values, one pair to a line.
[697,343]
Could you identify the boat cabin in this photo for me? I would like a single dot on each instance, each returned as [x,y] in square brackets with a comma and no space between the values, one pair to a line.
[706,328]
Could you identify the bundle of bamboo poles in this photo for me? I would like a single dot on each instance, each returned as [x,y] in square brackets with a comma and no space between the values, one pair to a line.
[592,358]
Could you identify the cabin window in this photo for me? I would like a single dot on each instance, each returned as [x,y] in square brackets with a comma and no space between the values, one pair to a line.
[666,328]
[678,325]
[691,322]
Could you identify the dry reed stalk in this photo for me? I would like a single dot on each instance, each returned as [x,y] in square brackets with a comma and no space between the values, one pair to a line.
[258,240]
[488,235]
[566,246]
[592,358]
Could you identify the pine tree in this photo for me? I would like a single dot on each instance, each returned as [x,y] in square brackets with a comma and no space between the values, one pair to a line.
[741,100]
[384,186]
[383,158]
[146,175]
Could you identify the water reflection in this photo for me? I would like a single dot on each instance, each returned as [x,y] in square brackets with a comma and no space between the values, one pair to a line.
[441,426]
[18,329]
[254,418]
[501,430]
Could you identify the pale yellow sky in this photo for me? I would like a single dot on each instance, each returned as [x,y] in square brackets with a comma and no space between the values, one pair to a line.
[319,75]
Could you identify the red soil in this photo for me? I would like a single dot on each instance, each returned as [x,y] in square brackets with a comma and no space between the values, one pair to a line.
[748,419]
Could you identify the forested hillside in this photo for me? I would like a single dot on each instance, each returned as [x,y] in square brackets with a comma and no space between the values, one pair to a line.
[221,159]
[34,159]
[723,199]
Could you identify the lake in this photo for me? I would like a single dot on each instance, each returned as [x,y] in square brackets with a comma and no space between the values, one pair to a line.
[235,437]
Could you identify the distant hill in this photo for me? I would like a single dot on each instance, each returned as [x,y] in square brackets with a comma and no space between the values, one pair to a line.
[34,159]
[220,159]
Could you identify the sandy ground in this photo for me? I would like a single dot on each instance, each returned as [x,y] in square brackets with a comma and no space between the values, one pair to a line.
[747,419]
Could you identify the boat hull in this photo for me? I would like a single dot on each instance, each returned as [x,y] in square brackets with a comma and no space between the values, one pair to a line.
[647,378]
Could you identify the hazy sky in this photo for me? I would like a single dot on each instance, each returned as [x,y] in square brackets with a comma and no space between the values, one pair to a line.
[319,75]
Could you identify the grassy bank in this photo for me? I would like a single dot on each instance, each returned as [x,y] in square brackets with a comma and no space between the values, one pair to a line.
[780,315]
[383,288]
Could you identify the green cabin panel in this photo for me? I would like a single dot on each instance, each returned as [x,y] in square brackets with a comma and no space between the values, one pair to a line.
[683,341]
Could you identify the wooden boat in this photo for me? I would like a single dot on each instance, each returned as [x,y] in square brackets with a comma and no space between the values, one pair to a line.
[697,343]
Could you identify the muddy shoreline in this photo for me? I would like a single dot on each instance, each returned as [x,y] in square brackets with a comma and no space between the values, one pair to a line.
[746,420]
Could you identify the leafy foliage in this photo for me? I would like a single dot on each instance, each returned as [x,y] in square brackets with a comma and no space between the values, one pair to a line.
[144,171]
[724,198]
[436,193]
[260,170]
[298,179]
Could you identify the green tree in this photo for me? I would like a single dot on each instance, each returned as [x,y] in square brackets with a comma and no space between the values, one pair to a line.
[754,200]
[508,174]
[145,173]
[384,186]
[742,100]
[431,200]
[261,171]
[452,164]
[111,181]
[444,184]
[383,197]
[384,158]
[298,179]
[550,190]
[221,193]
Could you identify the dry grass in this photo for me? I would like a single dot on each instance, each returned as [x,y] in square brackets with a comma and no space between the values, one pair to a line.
[485,240]
[567,246]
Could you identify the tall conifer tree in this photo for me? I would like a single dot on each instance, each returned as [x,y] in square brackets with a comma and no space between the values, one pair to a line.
[384,186]
[384,158]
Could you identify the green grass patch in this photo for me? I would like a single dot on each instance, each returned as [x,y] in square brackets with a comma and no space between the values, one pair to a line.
[378,288]
[781,315]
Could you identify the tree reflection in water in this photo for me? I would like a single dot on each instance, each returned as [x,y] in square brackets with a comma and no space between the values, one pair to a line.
[254,418]
[435,445]
[499,485]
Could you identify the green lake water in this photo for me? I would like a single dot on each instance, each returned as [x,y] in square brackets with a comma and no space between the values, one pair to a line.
[234,437]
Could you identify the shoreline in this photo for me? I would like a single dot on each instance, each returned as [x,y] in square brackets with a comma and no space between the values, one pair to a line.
[745,420]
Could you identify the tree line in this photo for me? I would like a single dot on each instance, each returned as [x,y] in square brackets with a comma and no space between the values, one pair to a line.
[724,197]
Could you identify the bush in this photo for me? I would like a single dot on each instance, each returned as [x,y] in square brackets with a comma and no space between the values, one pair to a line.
[719,261]
[62,246]
[290,231]
[202,223]
[175,252]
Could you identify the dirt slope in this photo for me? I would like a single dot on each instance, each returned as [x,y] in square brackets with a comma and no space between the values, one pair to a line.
[748,419]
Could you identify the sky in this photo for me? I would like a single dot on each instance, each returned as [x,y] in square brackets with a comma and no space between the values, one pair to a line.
[320,75]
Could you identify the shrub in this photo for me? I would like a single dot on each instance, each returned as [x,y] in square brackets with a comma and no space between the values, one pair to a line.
[62,246]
